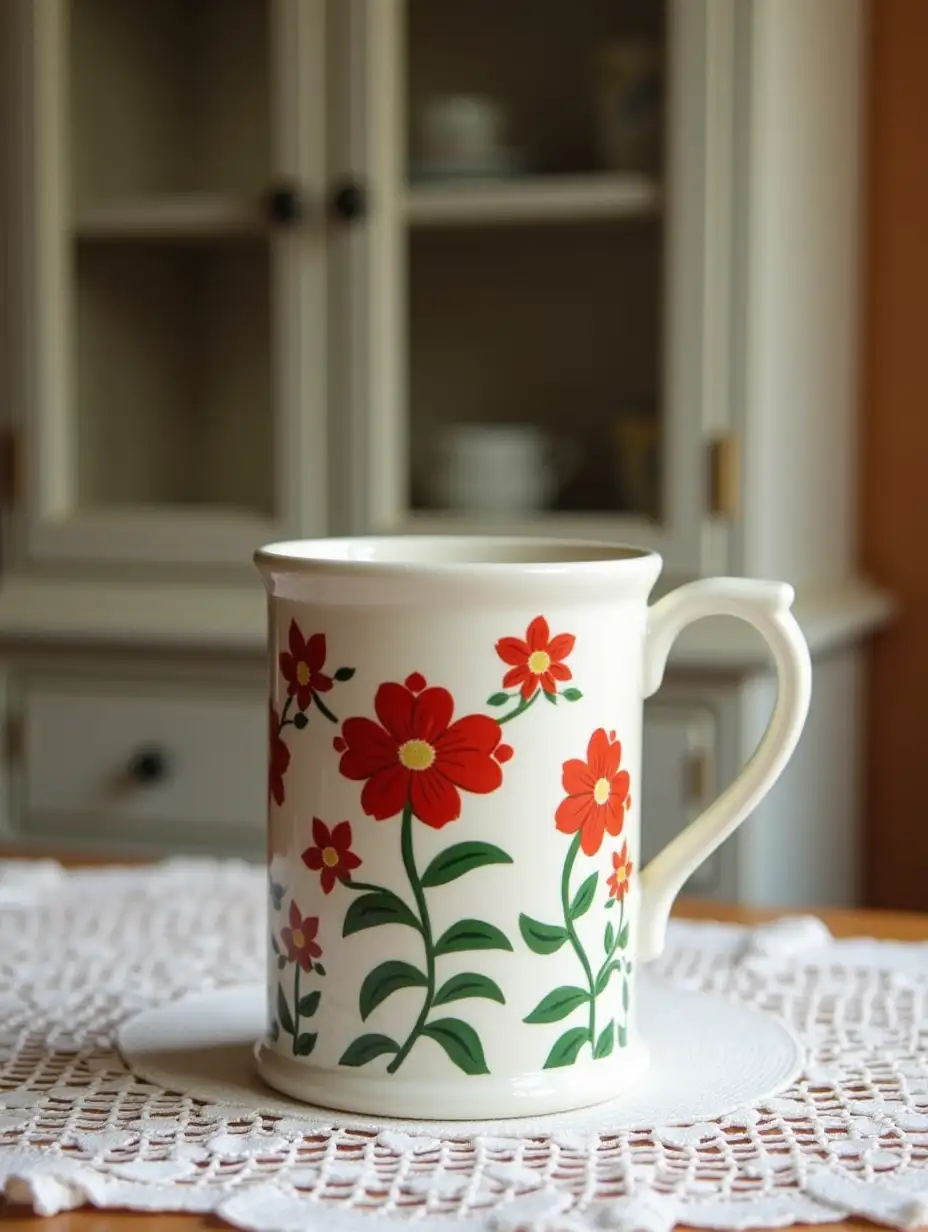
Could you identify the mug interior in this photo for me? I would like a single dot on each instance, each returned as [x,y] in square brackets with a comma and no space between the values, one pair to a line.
[448,550]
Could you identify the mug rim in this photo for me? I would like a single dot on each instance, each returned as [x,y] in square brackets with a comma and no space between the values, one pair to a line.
[471,555]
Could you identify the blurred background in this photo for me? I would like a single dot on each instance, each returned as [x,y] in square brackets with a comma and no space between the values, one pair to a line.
[646,270]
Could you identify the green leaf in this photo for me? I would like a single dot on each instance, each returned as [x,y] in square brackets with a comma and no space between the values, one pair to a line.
[583,899]
[558,1004]
[344,673]
[498,699]
[567,1047]
[471,935]
[610,902]
[571,695]
[541,938]
[281,963]
[283,1011]
[374,909]
[274,946]
[552,697]
[625,994]
[309,1004]
[384,980]
[305,1044]
[609,938]
[367,1048]
[469,984]
[319,969]
[623,937]
[455,861]
[274,1033]
[277,895]
[606,1040]
[605,975]
[300,720]
[623,1036]
[460,1041]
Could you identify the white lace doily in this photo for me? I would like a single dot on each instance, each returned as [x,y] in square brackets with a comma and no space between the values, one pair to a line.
[81,952]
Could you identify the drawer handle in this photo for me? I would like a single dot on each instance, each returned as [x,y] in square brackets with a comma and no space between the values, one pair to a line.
[150,766]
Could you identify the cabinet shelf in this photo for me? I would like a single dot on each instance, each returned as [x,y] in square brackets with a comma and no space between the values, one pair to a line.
[534,199]
[176,216]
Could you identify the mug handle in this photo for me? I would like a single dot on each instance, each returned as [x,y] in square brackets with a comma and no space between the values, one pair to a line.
[766,606]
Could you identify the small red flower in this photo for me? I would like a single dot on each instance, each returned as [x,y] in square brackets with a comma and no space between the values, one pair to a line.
[597,793]
[621,873]
[536,661]
[417,755]
[332,854]
[300,938]
[302,665]
[278,761]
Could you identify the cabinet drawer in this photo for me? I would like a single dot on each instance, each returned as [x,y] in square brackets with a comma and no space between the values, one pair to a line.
[145,758]
[678,779]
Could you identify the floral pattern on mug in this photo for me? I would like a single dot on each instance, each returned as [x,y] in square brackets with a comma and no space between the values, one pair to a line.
[331,856]
[301,668]
[536,666]
[597,793]
[278,762]
[417,757]
[596,803]
[414,763]
[300,948]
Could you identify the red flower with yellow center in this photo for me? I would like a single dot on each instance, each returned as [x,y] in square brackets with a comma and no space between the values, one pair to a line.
[302,666]
[278,761]
[621,873]
[417,756]
[597,793]
[300,938]
[536,661]
[332,855]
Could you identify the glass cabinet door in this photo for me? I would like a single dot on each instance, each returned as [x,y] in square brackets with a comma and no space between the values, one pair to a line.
[538,272]
[171,251]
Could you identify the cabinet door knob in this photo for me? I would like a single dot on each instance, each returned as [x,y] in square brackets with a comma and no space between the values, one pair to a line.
[285,205]
[349,201]
[150,766]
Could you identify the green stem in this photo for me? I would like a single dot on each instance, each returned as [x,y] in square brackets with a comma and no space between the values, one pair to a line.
[409,862]
[323,708]
[296,1004]
[370,887]
[283,716]
[521,708]
[363,885]
[615,944]
[572,934]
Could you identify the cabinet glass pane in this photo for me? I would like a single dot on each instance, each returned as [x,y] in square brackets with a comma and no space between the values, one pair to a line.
[552,332]
[553,88]
[168,96]
[535,256]
[173,376]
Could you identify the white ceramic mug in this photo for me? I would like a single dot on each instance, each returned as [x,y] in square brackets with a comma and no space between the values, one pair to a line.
[456,905]
[497,468]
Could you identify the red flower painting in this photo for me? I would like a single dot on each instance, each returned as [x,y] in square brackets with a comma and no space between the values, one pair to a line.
[536,661]
[332,855]
[300,938]
[621,874]
[597,793]
[419,755]
[278,760]
[302,666]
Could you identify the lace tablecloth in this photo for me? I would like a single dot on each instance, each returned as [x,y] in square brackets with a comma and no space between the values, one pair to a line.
[80,952]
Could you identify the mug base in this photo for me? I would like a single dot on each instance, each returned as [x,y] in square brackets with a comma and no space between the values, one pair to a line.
[483,1097]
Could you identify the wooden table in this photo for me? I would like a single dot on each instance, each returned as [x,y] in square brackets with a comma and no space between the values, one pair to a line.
[885,924]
